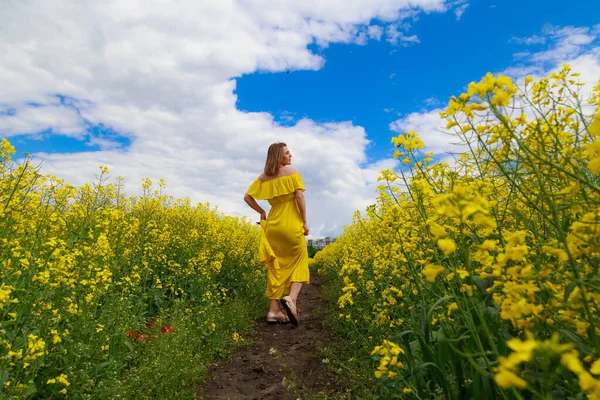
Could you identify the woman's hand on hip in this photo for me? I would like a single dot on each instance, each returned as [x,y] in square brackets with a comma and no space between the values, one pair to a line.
[263,216]
[305,229]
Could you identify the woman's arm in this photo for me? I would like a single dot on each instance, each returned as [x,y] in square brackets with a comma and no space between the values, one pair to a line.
[302,207]
[254,205]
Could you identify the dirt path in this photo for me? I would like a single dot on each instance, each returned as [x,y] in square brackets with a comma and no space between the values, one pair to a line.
[282,363]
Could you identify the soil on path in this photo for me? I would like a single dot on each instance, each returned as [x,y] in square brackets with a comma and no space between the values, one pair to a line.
[282,362]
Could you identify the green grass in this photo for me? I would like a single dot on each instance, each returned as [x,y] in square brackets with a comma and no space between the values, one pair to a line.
[174,365]
[349,355]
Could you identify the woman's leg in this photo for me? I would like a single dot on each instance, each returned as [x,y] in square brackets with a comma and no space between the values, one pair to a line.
[295,290]
[274,307]
[288,303]
[275,314]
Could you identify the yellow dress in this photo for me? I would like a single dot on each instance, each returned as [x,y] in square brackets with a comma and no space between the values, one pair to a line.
[282,248]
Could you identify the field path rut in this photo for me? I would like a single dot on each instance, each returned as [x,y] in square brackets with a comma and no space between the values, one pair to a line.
[282,362]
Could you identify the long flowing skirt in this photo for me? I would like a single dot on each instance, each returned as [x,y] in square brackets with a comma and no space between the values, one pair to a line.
[283,247]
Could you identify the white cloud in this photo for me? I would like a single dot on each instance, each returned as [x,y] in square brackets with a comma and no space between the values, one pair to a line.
[460,10]
[163,74]
[432,101]
[521,55]
[431,129]
[569,42]
[375,32]
[394,36]
[105,143]
[588,65]
[523,70]
[535,39]
[31,119]
[577,46]
[564,44]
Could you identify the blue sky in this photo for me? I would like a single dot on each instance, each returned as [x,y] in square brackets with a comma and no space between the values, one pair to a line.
[188,91]
[375,84]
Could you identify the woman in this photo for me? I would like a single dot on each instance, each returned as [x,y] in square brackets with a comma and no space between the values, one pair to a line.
[282,246]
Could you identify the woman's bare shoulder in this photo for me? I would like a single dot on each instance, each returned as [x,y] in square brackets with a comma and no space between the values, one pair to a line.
[289,171]
[285,171]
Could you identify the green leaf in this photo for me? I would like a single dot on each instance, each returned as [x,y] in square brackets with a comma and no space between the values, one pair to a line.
[535,374]
[487,384]
[129,346]
[101,366]
[570,335]
[4,377]
[433,307]
[481,285]
[568,290]
[402,334]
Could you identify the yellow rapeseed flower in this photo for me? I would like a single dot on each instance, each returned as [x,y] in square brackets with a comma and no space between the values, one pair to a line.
[437,230]
[447,246]
[501,99]
[507,379]
[431,271]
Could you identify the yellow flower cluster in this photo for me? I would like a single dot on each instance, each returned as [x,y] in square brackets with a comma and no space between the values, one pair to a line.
[61,380]
[507,372]
[388,354]
[586,381]
[5,292]
[505,241]
[237,338]
[35,347]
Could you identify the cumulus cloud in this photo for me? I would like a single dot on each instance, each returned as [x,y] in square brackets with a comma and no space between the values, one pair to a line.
[567,43]
[36,118]
[431,128]
[375,32]
[163,75]
[460,10]
[535,39]
[563,44]
[394,36]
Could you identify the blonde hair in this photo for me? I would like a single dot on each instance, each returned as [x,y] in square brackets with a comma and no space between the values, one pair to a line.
[274,157]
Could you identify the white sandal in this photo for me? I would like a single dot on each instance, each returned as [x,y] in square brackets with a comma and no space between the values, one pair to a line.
[290,308]
[279,318]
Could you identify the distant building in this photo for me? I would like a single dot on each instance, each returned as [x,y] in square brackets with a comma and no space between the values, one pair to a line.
[321,242]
